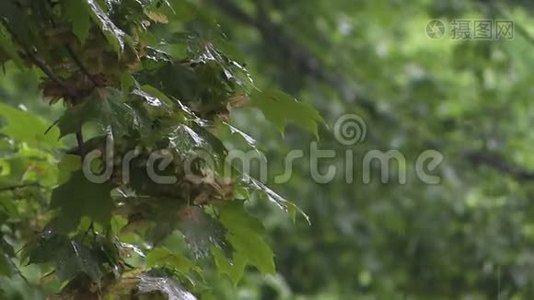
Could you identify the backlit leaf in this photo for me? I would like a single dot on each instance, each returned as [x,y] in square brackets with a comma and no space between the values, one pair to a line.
[280,108]
[163,257]
[27,127]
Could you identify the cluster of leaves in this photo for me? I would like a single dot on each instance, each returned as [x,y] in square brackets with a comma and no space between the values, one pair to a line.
[123,235]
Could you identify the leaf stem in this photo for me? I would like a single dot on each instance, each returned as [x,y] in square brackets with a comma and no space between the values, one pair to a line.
[80,65]
[81,144]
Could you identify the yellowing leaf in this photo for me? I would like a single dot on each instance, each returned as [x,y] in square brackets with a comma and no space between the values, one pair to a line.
[157,17]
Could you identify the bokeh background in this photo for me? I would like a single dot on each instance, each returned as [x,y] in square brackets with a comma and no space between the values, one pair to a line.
[469,237]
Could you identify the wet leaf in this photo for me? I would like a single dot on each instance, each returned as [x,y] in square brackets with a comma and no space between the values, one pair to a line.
[247,138]
[168,286]
[76,258]
[114,34]
[105,106]
[273,197]
[232,267]
[80,197]
[245,235]
[200,230]
[163,257]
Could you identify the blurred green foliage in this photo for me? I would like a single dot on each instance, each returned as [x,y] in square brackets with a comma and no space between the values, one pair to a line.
[469,237]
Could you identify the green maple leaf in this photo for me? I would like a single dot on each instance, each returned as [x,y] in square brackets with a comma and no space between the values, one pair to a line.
[77,13]
[245,235]
[280,108]
[114,34]
[79,197]
[163,257]
[105,106]
[26,127]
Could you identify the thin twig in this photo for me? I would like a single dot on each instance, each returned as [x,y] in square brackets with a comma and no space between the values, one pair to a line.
[497,162]
[19,272]
[83,69]
[36,60]
[90,228]
[80,65]
[74,57]
[81,143]
[48,71]
[51,126]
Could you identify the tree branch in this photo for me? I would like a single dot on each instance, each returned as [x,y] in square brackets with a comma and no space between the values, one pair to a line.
[37,61]
[80,65]
[305,61]
[73,55]
[498,162]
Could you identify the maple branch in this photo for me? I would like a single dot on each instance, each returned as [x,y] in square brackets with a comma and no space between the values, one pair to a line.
[37,61]
[75,58]
[80,65]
